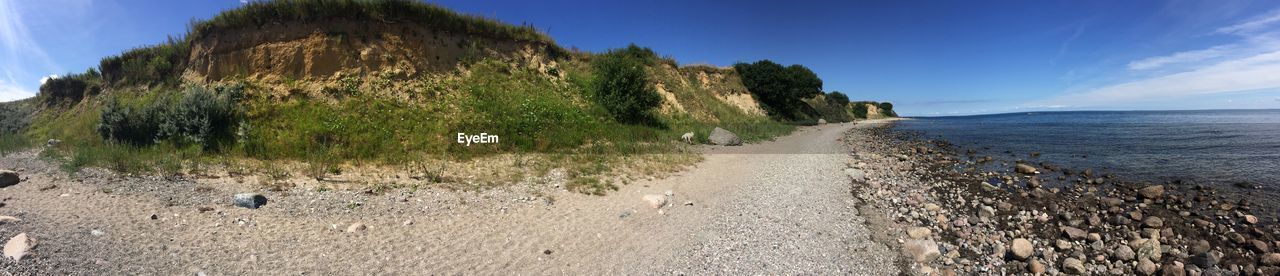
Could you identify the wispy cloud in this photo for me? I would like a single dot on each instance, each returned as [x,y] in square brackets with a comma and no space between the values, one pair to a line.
[1182,57]
[1251,63]
[19,49]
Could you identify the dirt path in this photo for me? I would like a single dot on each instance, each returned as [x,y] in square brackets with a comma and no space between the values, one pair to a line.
[781,207]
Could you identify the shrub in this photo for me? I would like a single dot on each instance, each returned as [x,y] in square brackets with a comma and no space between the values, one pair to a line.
[158,64]
[779,88]
[886,109]
[71,88]
[838,99]
[860,110]
[16,116]
[198,116]
[622,86]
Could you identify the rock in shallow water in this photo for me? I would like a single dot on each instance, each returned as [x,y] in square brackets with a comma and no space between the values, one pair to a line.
[249,200]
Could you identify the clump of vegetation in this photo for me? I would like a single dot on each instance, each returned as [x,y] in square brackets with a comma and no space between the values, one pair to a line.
[623,87]
[160,64]
[886,109]
[15,116]
[260,13]
[837,99]
[861,110]
[780,89]
[70,89]
[196,116]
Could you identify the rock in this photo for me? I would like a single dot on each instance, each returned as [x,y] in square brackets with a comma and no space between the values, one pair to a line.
[1259,246]
[8,178]
[1270,259]
[920,250]
[986,211]
[1199,246]
[1036,267]
[356,227]
[1153,222]
[1145,267]
[1025,169]
[669,193]
[688,203]
[1250,219]
[1074,233]
[1173,269]
[856,174]
[52,143]
[1123,253]
[722,137]
[1073,266]
[1207,259]
[932,207]
[97,233]
[1147,249]
[655,201]
[1021,249]
[1152,192]
[17,247]
[8,219]
[1063,245]
[822,121]
[249,200]
[919,232]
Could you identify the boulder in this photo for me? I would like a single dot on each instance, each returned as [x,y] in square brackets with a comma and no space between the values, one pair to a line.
[1153,222]
[655,201]
[1074,233]
[856,174]
[1145,267]
[8,178]
[1073,266]
[822,121]
[1021,249]
[17,247]
[1123,253]
[722,137]
[1025,169]
[921,251]
[919,232]
[1147,249]
[249,200]
[1152,192]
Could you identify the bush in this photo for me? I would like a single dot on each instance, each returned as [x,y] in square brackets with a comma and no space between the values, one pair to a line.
[199,116]
[158,64]
[622,86]
[886,109]
[16,116]
[860,110]
[779,88]
[71,88]
[838,99]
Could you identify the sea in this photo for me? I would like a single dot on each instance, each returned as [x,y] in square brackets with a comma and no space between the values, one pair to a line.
[1230,149]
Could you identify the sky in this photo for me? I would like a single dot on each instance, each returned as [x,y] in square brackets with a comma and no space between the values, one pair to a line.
[930,58]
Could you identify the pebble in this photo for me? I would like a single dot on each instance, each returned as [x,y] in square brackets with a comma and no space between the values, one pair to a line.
[1021,249]
[356,227]
[1145,267]
[1036,267]
[1153,222]
[1073,266]
[1152,192]
[919,232]
[8,219]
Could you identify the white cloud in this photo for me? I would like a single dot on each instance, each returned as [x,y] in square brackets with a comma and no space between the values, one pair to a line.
[11,92]
[1251,73]
[47,78]
[1260,23]
[1182,57]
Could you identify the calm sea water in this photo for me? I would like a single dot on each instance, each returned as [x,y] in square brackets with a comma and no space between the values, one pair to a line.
[1215,147]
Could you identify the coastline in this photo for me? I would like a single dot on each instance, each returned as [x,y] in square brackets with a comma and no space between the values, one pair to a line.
[980,221]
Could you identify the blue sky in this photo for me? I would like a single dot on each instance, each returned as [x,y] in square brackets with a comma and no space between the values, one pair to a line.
[928,57]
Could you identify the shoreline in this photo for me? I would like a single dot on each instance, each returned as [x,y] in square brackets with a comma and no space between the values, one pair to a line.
[1095,224]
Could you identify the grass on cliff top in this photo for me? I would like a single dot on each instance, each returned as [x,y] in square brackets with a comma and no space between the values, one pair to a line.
[259,13]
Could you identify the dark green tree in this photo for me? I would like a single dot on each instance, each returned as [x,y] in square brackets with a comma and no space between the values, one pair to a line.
[779,88]
[622,86]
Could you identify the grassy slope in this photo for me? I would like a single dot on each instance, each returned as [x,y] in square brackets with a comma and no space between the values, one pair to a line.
[529,110]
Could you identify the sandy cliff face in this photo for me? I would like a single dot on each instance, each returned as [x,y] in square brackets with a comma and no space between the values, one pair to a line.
[298,51]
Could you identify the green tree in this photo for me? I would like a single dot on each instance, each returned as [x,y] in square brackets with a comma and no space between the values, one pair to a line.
[837,99]
[779,88]
[622,86]
[886,109]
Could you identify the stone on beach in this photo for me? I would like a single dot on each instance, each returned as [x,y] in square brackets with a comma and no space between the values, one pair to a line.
[655,201]
[1073,266]
[856,174]
[249,200]
[722,137]
[1021,249]
[1152,192]
[8,178]
[921,251]
[919,232]
[1025,169]
[17,247]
